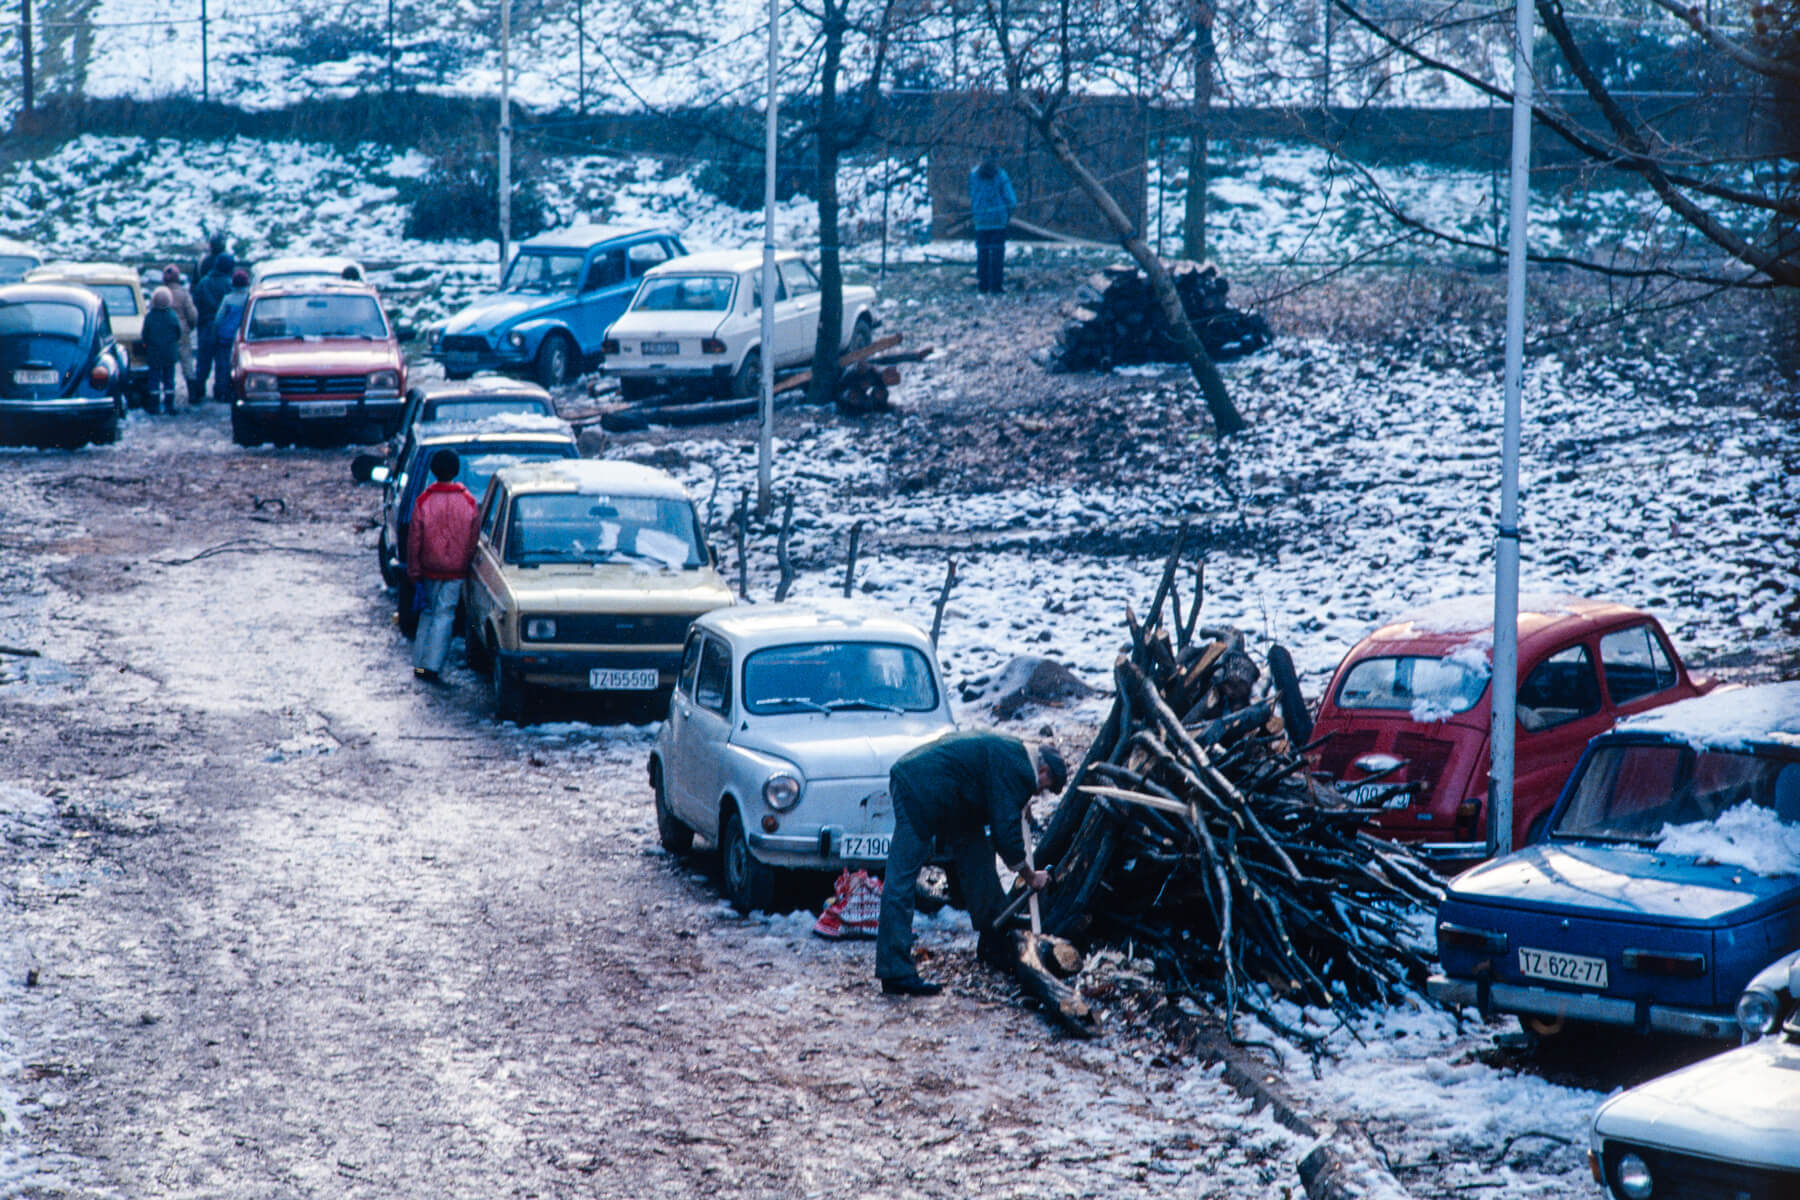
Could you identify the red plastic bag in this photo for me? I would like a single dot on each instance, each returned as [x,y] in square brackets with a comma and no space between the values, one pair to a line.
[855,908]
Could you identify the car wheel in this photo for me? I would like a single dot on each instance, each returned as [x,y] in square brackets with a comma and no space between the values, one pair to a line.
[749,884]
[675,836]
[509,692]
[106,432]
[245,429]
[392,571]
[404,608]
[748,380]
[475,652]
[863,334]
[554,359]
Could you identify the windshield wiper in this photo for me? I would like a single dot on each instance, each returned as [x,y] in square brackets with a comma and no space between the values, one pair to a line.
[800,701]
[835,705]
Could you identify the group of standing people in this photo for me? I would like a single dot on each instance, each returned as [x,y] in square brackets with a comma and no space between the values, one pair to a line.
[193,329]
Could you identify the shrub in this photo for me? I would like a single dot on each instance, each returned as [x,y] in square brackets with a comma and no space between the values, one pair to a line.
[459,198]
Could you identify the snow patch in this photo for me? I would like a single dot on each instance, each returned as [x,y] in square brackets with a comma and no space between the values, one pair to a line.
[1748,836]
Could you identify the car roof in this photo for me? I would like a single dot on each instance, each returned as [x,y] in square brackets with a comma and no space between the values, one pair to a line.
[62,293]
[323,264]
[500,426]
[85,272]
[597,476]
[733,261]
[14,246]
[1545,620]
[481,387]
[583,237]
[1729,718]
[315,285]
[850,620]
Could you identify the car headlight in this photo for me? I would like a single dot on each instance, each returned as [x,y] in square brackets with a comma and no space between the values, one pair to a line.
[1634,1177]
[260,384]
[384,381]
[540,629]
[1756,1013]
[782,792]
[516,340]
[434,337]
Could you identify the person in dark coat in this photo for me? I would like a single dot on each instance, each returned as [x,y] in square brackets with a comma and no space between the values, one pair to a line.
[208,292]
[162,349]
[225,330]
[215,246]
[948,790]
[991,204]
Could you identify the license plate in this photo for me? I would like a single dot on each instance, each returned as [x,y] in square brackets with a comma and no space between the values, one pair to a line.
[863,845]
[30,375]
[661,348]
[323,410]
[1374,793]
[610,679]
[1577,969]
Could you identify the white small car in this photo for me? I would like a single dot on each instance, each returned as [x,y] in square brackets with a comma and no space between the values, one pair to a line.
[1726,1126]
[784,722]
[698,319]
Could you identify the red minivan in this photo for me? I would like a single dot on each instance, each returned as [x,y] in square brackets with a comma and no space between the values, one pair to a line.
[1407,712]
[317,361]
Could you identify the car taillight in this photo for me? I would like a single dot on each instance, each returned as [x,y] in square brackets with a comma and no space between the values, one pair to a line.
[99,375]
[609,346]
[1655,962]
[712,346]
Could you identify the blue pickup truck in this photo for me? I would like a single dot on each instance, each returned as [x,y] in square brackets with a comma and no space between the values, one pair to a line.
[559,294]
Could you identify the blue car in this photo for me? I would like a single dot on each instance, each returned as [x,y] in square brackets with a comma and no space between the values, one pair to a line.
[559,294]
[62,373]
[1669,876]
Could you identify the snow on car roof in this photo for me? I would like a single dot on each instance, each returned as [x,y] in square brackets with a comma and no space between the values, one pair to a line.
[1475,614]
[731,261]
[91,272]
[497,423]
[1731,718]
[596,476]
[329,264]
[1747,835]
[480,386]
[580,237]
[853,618]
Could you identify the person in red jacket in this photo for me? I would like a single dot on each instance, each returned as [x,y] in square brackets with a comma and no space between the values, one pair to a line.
[439,547]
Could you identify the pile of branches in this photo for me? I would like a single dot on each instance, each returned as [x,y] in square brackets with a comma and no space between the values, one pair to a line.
[1118,321]
[1193,833]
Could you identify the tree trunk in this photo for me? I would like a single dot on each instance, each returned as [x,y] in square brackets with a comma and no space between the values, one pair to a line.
[831,274]
[1193,230]
[1212,385]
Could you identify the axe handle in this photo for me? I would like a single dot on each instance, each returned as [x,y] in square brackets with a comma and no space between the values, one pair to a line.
[1037,926]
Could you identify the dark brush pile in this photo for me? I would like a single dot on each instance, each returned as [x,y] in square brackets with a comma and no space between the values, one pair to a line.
[1118,321]
[1192,832]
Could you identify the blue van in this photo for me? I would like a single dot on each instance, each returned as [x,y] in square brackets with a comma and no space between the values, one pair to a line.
[1669,875]
[559,294]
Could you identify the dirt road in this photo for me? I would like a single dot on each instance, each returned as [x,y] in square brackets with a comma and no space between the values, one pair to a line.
[280,921]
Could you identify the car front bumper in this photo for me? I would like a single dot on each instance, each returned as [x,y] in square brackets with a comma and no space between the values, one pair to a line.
[810,847]
[1521,1000]
[320,412]
[570,670]
[62,408]
[488,358]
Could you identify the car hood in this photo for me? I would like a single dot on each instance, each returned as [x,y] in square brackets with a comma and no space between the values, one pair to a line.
[346,357]
[1741,1106]
[844,745]
[616,587]
[502,308]
[666,324]
[1630,883]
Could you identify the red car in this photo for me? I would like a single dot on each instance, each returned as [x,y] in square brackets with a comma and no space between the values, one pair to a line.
[1408,712]
[316,360]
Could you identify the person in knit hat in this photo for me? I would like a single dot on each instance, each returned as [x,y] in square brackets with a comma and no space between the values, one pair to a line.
[162,349]
[182,301]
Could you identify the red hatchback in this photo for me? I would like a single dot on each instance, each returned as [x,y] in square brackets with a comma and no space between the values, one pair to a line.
[1408,711]
[316,360]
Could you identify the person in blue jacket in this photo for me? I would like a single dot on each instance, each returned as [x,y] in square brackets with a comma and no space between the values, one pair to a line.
[225,330]
[991,204]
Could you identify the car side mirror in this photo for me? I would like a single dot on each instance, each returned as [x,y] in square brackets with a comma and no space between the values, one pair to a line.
[364,466]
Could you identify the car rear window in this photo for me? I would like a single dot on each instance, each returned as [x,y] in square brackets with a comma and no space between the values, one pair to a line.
[836,676]
[121,301]
[685,293]
[43,318]
[584,527]
[14,266]
[278,318]
[1628,792]
[1429,688]
[475,410]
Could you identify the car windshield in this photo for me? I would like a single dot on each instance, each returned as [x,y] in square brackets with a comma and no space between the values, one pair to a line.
[584,527]
[475,410]
[477,464]
[279,318]
[1429,688]
[121,301]
[42,319]
[14,266]
[835,676]
[1629,791]
[685,293]
[542,271]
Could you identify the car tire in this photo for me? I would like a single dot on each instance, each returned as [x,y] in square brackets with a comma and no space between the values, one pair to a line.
[555,361]
[674,835]
[1296,721]
[475,652]
[392,571]
[106,431]
[863,334]
[748,380]
[509,692]
[749,884]
[246,430]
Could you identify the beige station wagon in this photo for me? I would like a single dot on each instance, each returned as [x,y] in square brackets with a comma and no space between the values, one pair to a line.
[119,286]
[586,577]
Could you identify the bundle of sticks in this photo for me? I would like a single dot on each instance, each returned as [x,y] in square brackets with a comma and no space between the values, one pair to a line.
[1192,832]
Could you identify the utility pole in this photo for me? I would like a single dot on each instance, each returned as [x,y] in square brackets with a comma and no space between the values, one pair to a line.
[25,51]
[390,48]
[580,58]
[505,130]
[765,436]
[205,91]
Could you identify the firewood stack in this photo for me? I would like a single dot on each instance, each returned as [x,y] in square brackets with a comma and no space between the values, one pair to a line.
[1118,321]
[1192,833]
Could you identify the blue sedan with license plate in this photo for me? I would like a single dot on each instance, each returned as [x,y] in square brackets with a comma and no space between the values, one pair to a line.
[1670,875]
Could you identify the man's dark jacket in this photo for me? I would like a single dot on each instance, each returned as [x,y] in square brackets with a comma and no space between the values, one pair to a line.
[961,782]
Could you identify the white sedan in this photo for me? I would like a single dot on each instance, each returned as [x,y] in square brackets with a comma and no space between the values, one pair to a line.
[698,319]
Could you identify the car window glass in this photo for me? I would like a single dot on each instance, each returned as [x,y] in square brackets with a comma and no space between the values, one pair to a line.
[684,293]
[690,663]
[1631,791]
[607,270]
[474,409]
[1562,688]
[45,318]
[712,681]
[1429,688]
[756,296]
[1635,663]
[121,300]
[583,527]
[275,318]
[838,676]
[491,515]
[645,255]
[798,278]
[538,271]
